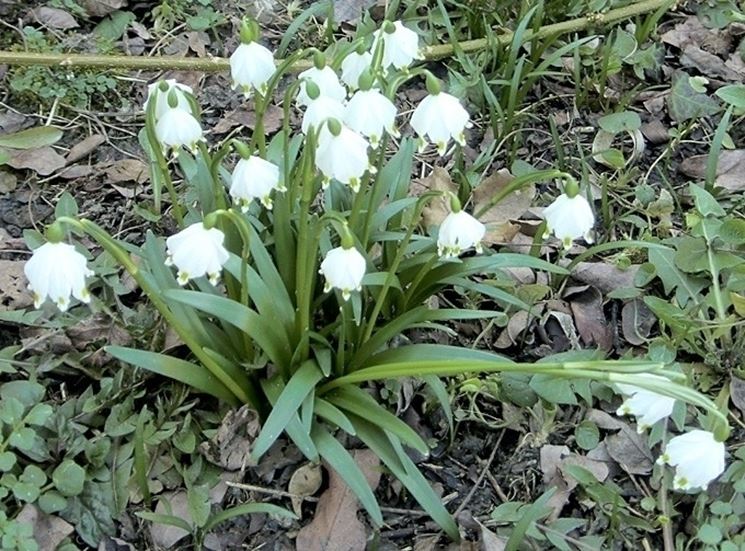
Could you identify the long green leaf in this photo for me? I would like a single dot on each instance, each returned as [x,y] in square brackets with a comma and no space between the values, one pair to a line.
[334,415]
[432,352]
[169,520]
[179,370]
[298,434]
[247,509]
[346,467]
[536,510]
[287,405]
[440,391]
[31,138]
[359,402]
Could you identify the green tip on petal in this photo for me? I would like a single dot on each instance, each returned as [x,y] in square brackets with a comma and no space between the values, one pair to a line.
[319,60]
[366,80]
[433,85]
[389,27]
[571,187]
[312,89]
[454,203]
[334,126]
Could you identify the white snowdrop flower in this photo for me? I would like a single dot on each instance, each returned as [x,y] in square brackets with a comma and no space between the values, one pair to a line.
[697,457]
[569,218]
[343,270]
[342,156]
[197,251]
[181,91]
[254,178]
[178,128]
[327,82]
[369,112]
[57,271]
[400,47]
[353,66]
[648,407]
[251,67]
[320,110]
[458,232]
[439,117]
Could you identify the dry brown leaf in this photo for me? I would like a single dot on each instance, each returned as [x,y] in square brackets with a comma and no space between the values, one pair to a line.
[335,526]
[630,450]
[273,118]
[692,32]
[348,11]
[84,148]
[198,42]
[439,207]
[230,447]
[589,318]
[489,541]
[655,132]
[604,420]
[604,276]
[13,292]
[737,393]
[730,169]
[101,8]
[637,321]
[304,482]
[167,535]
[498,218]
[8,181]
[48,530]
[43,160]
[55,18]
[708,64]
[125,170]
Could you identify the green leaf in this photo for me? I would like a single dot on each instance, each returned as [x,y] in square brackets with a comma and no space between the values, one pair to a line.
[625,121]
[686,287]
[333,414]
[31,138]
[359,402]
[23,438]
[734,94]
[52,502]
[114,25]
[66,206]
[295,429]
[732,231]
[705,202]
[684,103]
[26,392]
[7,461]
[247,509]
[11,411]
[344,464]
[553,389]
[298,387]
[531,514]
[198,501]
[587,435]
[709,534]
[39,414]
[168,520]
[69,478]
[185,372]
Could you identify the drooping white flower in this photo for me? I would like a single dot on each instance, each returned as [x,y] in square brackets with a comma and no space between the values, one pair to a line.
[369,112]
[320,110]
[400,47]
[343,270]
[251,67]
[569,218]
[327,82]
[648,407]
[197,251]
[342,157]
[697,457]
[57,270]
[181,91]
[178,128]
[353,66]
[254,178]
[458,232]
[437,119]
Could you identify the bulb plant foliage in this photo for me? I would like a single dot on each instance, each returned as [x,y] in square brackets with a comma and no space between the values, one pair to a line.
[291,274]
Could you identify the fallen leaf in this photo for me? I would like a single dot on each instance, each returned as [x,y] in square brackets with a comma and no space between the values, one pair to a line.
[55,18]
[230,447]
[498,218]
[637,321]
[335,526]
[737,393]
[684,103]
[44,160]
[13,292]
[438,208]
[709,64]
[604,276]
[604,420]
[84,148]
[589,317]
[48,530]
[8,181]
[198,41]
[101,8]
[489,540]
[655,132]
[273,118]
[304,482]
[730,169]
[348,11]
[692,32]
[630,450]
[126,170]
[167,535]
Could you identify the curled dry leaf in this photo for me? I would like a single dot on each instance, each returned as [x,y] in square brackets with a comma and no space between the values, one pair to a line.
[43,160]
[730,169]
[499,228]
[84,147]
[54,18]
[305,481]
[438,208]
[637,321]
[230,448]
[589,318]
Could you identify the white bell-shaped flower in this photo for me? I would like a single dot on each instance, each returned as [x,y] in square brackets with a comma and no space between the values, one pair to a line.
[400,47]
[197,251]
[370,113]
[342,156]
[251,67]
[353,66]
[181,91]
[697,457]
[438,118]
[569,218]
[458,232]
[57,271]
[178,128]
[254,178]
[648,407]
[320,110]
[327,82]
[343,270]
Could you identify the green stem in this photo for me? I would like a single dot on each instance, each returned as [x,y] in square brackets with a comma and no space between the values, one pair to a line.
[219,64]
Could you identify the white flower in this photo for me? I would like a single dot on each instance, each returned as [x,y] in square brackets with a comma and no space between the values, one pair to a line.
[254,178]
[251,67]
[438,118]
[57,270]
[648,407]
[569,219]
[370,113]
[343,157]
[343,270]
[321,109]
[400,48]
[197,251]
[697,457]
[178,128]
[458,232]
[181,91]
[327,82]
[353,66]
